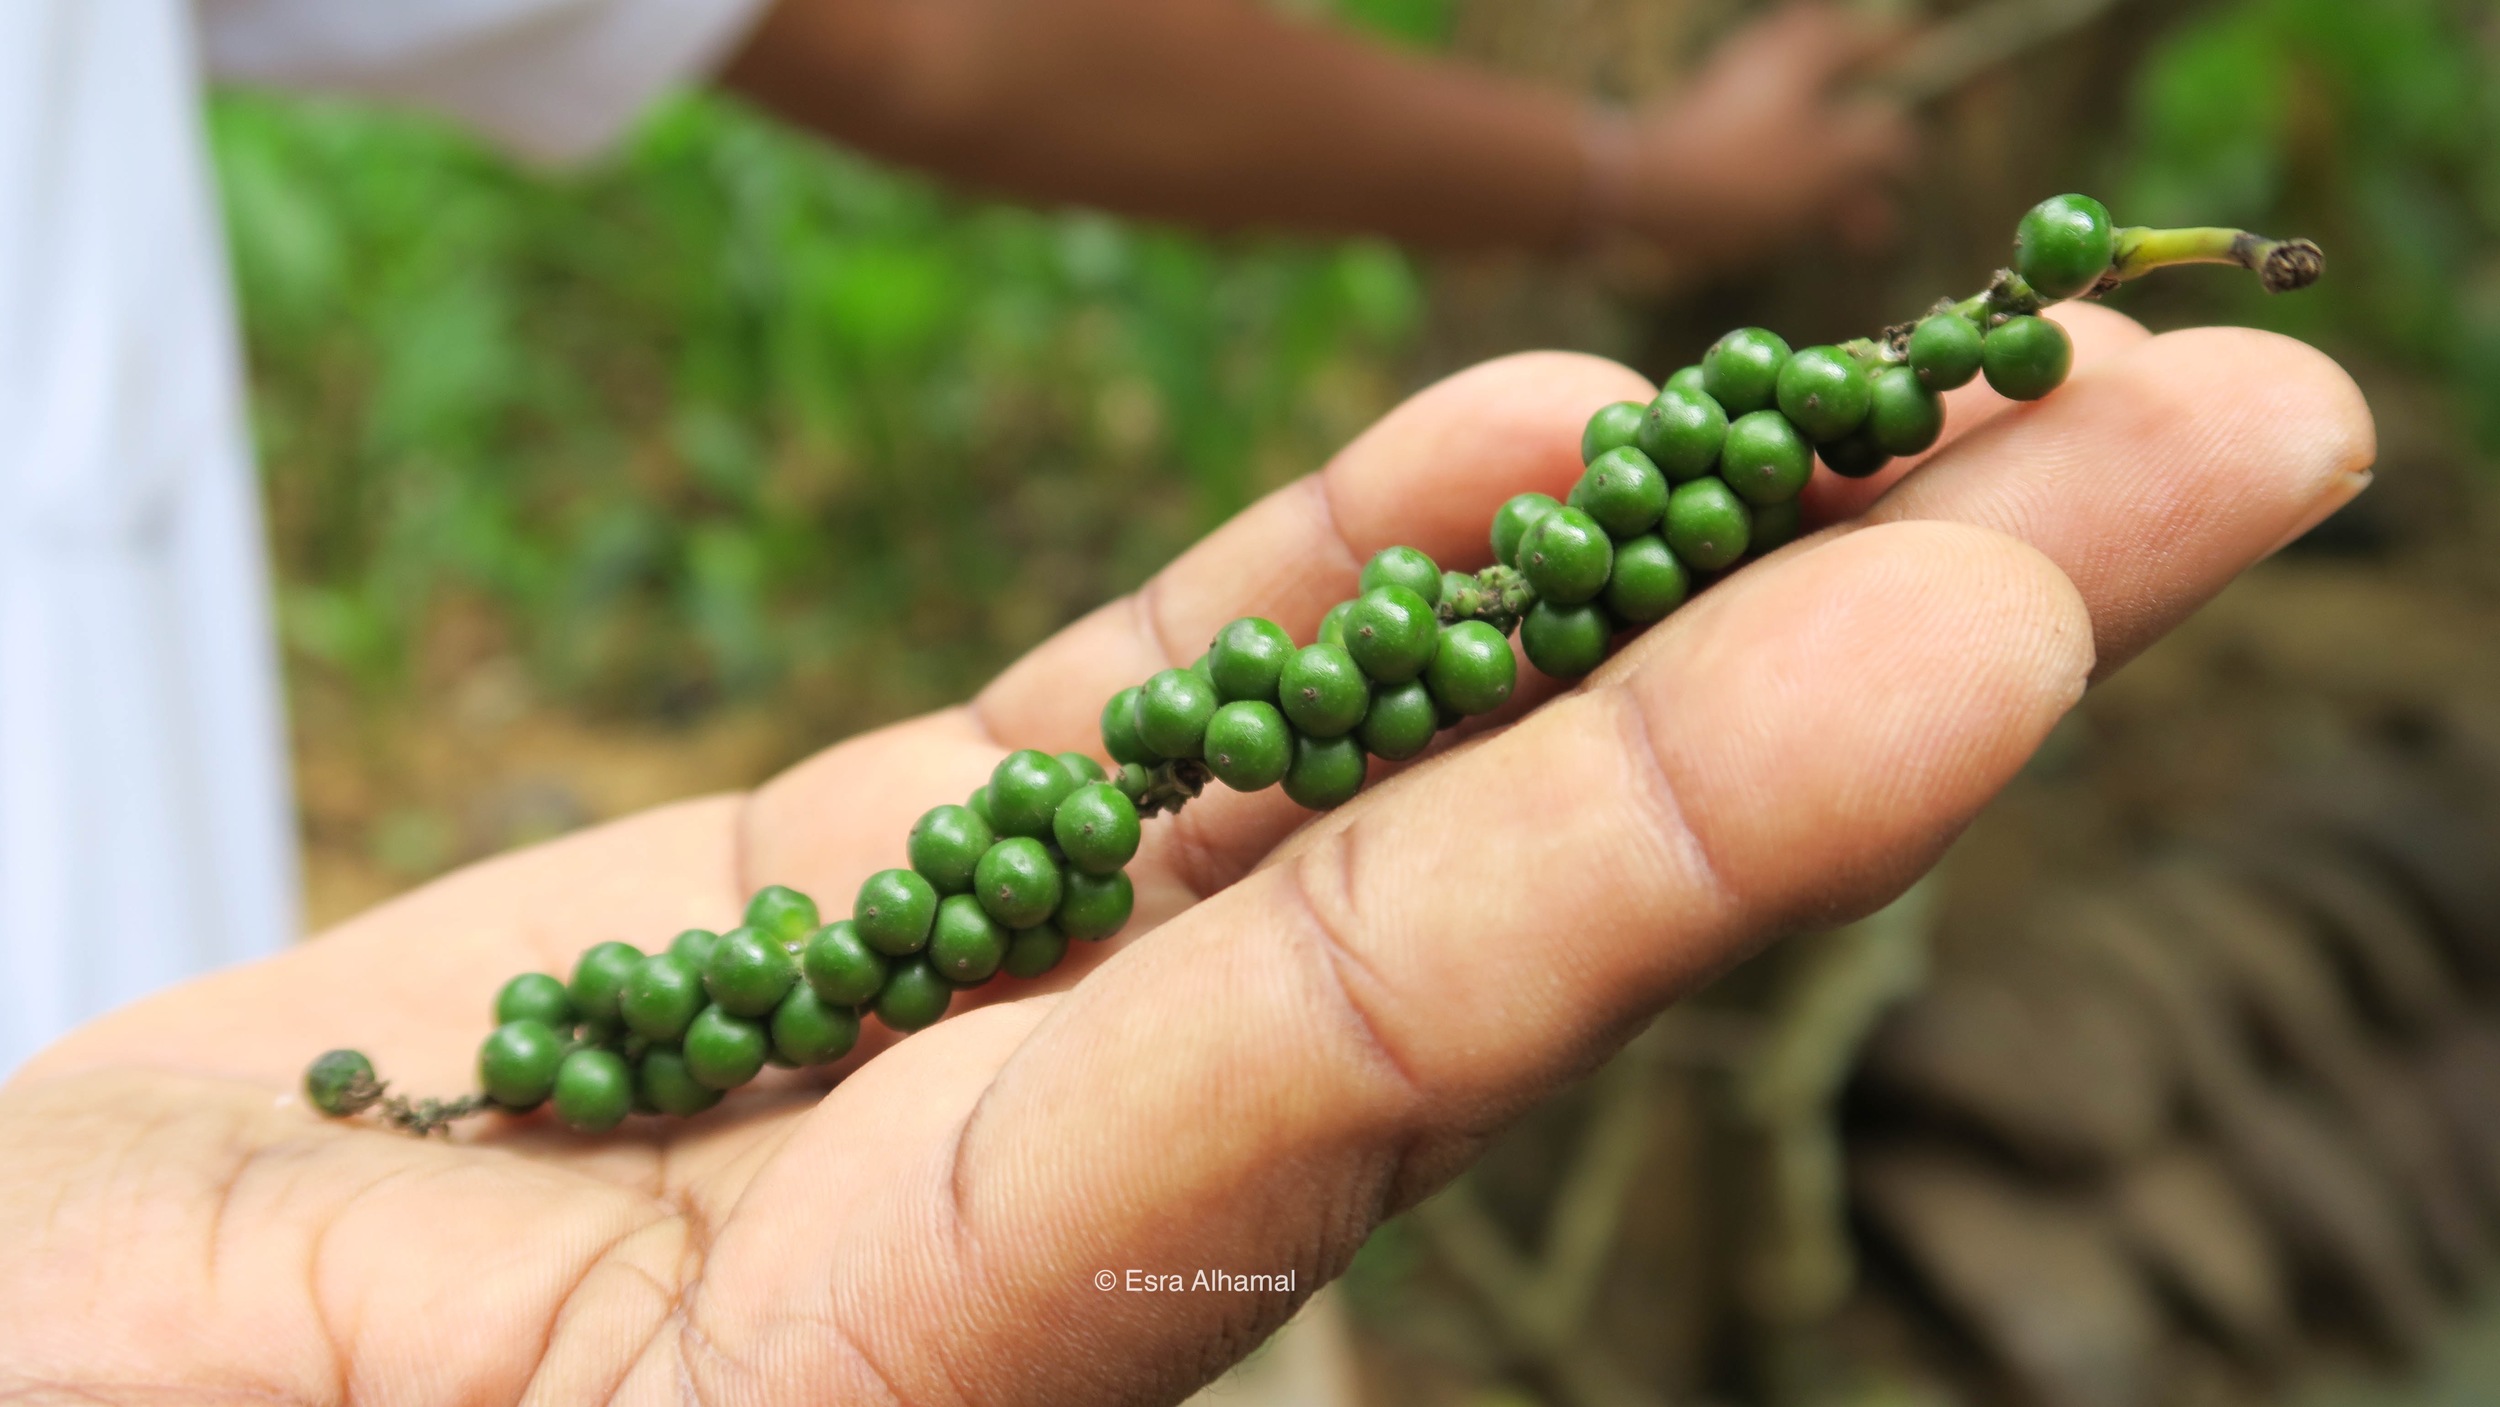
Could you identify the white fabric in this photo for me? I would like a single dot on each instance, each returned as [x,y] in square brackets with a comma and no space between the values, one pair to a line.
[146,832]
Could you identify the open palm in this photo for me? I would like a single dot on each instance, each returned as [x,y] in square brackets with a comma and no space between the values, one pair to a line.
[1307,1027]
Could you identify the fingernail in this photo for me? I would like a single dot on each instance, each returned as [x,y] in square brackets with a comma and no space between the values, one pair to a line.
[2347,487]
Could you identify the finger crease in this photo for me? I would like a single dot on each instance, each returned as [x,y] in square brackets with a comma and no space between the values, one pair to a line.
[1340,960]
[1655,788]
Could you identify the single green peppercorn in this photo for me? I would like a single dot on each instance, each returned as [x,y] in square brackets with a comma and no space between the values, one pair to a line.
[1775,526]
[1407,567]
[979,805]
[662,1082]
[661,997]
[1034,951]
[1566,556]
[1119,729]
[1097,828]
[1944,351]
[594,1091]
[1766,460]
[2062,246]
[1453,583]
[1332,625]
[1512,520]
[806,1030]
[695,946]
[1391,633]
[914,997]
[1687,379]
[598,975]
[1248,745]
[1612,428]
[946,842]
[1133,779]
[1400,722]
[1475,671]
[1323,691]
[1565,642]
[1248,656]
[1095,906]
[841,966]
[1084,769]
[1903,416]
[535,996]
[724,1051]
[2026,358]
[1682,433]
[749,973]
[1623,491]
[1326,772]
[783,913]
[1648,581]
[1172,714]
[1707,525]
[1854,457]
[967,943]
[1202,668]
[1027,786]
[893,911]
[1741,371]
[1823,391]
[340,1083]
[1018,882]
[517,1064]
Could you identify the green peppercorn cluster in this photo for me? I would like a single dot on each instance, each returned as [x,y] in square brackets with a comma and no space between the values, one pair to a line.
[1673,493]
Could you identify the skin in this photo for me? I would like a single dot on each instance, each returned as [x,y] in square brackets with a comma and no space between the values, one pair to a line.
[1308,1026]
[1228,113]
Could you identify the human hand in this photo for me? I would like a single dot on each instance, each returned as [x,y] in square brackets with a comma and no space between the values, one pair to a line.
[1760,148]
[1353,1008]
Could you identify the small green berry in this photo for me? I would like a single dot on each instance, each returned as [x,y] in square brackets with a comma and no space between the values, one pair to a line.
[1119,729]
[1566,556]
[2062,247]
[1682,432]
[1823,391]
[1248,745]
[340,1083]
[1172,714]
[1097,828]
[1034,951]
[662,1083]
[1565,642]
[695,946]
[914,997]
[1400,723]
[1407,567]
[1027,786]
[1612,428]
[806,1030]
[1391,633]
[661,998]
[1687,379]
[1095,906]
[979,805]
[842,968]
[1707,525]
[1018,882]
[598,976]
[783,913]
[893,912]
[1766,460]
[724,1051]
[1475,671]
[1854,457]
[1903,416]
[967,943]
[1326,772]
[1512,520]
[535,996]
[946,842]
[1332,625]
[1323,691]
[749,973]
[1648,581]
[1741,371]
[1944,351]
[1247,657]
[594,1090]
[2026,358]
[1623,491]
[517,1064]
[1133,779]
[1084,769]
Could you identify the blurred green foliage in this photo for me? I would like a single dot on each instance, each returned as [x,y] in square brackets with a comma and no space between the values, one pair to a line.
[2372,127]
[734,414]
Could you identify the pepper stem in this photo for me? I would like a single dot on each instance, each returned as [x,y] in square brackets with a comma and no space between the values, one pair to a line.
[2280,264]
